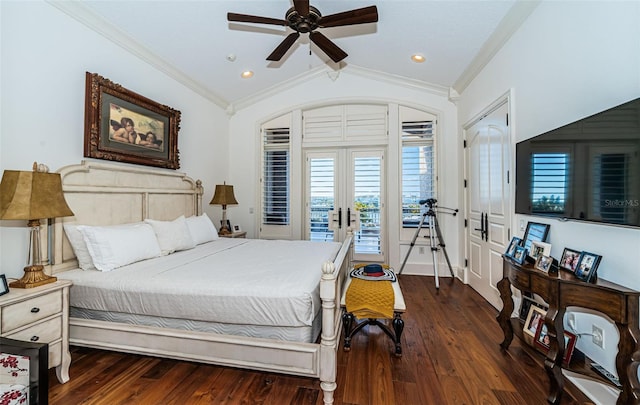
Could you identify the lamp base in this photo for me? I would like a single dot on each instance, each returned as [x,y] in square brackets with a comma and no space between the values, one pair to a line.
[224,231]
[33,277]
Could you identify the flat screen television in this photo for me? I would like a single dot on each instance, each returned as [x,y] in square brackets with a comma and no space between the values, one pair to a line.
[588,170]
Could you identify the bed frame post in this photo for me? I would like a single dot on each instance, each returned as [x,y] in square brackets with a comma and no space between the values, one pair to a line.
[328,341]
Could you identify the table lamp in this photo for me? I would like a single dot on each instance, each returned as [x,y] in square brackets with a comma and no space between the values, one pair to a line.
[32,196]
[224,196]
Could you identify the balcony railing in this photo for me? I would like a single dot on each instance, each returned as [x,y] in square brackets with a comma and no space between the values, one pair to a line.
[366,240]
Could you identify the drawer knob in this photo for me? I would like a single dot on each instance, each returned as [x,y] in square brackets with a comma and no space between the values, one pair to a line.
[35,338]
[35,310]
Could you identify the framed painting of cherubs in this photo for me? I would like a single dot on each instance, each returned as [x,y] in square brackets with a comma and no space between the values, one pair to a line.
[123,126]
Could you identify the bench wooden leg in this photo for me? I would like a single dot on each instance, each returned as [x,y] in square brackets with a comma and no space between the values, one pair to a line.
[347,322]
[398,327]
[349,331]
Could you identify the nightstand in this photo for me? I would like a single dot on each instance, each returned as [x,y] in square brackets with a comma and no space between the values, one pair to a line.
[242,234]
[40,314]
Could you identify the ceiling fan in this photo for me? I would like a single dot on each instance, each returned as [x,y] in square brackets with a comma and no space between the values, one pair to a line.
[304,18]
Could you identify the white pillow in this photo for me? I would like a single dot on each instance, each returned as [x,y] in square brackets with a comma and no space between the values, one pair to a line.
[79,247]
[172,235]
[202,229]
[111,247]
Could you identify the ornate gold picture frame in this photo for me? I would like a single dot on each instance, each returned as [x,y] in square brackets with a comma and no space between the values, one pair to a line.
[124,126]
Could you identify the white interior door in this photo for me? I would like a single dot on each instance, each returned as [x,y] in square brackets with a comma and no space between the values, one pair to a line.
[342,182]
[488,196]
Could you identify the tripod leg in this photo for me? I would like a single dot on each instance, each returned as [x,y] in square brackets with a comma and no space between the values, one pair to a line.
[441,243]
[434,250]
[413,242]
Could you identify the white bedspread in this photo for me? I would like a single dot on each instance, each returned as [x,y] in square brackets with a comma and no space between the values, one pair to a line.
[243,281]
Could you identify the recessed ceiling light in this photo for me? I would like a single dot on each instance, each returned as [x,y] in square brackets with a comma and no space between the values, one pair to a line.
[246,74]
[417,58]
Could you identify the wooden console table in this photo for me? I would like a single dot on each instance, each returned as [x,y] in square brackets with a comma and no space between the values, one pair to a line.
[561,290]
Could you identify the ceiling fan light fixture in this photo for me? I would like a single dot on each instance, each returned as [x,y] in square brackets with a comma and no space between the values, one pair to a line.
[417,58]
[246,74]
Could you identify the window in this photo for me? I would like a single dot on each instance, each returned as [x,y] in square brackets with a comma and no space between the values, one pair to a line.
[418,169]
[611,194]
[550,179]
[275,177]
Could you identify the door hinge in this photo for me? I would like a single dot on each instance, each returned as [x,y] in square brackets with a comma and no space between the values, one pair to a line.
[508,181]
[464,143]
[465,183]
[465,222]
[466,263]
[507,119]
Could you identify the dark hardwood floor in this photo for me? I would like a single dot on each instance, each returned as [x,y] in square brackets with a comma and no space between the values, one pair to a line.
[451,356]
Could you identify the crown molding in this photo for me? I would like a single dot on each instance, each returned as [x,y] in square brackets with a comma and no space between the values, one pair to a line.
[95,22]
[333,75]
[277,88]
[517,14]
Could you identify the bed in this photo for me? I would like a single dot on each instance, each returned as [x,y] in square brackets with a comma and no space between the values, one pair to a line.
[289,319]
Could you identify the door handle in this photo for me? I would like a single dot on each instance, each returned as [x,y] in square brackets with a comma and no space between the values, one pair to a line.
[486,227]
[339,218]
[481,229]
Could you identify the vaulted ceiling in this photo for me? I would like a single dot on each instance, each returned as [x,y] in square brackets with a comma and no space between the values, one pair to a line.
[194,42]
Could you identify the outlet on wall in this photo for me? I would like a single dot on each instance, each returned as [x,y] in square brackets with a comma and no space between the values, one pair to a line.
[421,250]
[597,336]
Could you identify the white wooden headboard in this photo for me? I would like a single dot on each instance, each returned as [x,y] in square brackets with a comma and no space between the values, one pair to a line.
[111,194]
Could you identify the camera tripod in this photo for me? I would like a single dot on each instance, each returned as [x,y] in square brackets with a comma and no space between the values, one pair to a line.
[435,238]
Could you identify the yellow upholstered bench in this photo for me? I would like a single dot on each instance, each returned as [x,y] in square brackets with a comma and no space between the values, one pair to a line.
[398,324]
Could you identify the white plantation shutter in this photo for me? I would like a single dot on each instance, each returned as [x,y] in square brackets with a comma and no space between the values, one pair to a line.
[418,168]
[332,125]
[321,188]
[275,177]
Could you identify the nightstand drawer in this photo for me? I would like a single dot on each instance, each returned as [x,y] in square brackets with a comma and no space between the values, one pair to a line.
[43,332]
[31,310]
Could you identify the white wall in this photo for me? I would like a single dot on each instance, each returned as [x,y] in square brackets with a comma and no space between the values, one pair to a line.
[45,55]
[570,60]
[350,86]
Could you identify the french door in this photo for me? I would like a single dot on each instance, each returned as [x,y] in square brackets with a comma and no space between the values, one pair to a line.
[488,196]
[339,185]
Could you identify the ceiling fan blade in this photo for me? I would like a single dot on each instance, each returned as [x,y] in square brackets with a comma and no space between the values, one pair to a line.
[336,54]
[254,19]
[284,46]
[358,16]
[302,7]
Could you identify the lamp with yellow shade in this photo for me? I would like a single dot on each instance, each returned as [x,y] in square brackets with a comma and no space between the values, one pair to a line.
[32,196]
[224,196]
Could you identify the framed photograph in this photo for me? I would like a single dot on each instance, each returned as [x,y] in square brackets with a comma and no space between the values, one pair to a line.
[539,248]
[535,232]
[126,127]
[237,228]
[24,369]
[543,343]
[515,241]
[569,259]
[519,254]
[534,319]
[525,307]
[4,287]
[587,266]
[543,263]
